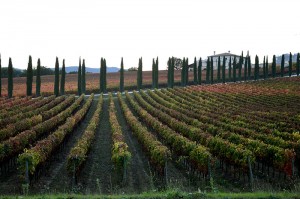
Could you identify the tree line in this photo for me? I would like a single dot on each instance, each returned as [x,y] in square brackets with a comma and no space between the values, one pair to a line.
[234,72]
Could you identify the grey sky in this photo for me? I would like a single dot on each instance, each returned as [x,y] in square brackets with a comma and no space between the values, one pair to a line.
[133,28]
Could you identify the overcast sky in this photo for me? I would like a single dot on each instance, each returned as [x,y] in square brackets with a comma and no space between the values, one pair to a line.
[144,28]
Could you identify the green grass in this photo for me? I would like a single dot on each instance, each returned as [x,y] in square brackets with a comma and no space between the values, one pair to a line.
[163,195]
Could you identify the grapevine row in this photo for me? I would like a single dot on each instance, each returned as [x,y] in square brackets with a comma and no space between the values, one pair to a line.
[79,152]
[40,153]
[120,152]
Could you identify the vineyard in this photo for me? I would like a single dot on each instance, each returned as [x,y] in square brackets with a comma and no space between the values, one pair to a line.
[230,137]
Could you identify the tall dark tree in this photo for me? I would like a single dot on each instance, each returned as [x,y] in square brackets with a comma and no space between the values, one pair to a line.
[290,64]
[63,78]
[267,68]
[200,71]
[207,70]
[240,65]
[219,69]
[282,66]
[83,82]
[264,68]
[38,78]
[224,70]
[183,73]
[29,77]
[169,72]
[153,73]
[298,64]
[56,81]
[186,72]
[156,73]
[256,69]
[101,75]
[249,67]
[122,76]
[140,75]
[229,69]
[195,71]
[105,75]
[274,66]
[172,71]
[79,83]
[10,85]
[234,69]
[245,68]
[0,77]
[212,71]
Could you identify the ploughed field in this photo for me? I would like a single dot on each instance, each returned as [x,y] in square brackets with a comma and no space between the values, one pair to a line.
[229,137]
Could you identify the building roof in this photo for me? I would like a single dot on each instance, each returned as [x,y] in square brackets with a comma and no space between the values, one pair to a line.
[224,54]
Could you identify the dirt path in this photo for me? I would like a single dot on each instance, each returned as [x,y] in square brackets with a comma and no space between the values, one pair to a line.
[96,176]
[55,178]
[138,170]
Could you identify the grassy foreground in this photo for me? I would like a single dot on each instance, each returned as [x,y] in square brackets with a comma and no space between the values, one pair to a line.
[164,195]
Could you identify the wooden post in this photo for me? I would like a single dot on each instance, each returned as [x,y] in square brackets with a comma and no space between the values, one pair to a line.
[293,167]
[26,173]
[209,168]
[74,176]
[250,174]
[166,171]
[124,171]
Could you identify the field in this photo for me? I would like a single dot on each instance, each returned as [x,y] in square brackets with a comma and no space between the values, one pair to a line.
[92,82]
[235,137]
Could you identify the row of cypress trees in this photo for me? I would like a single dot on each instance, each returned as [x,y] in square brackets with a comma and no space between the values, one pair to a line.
[59,89]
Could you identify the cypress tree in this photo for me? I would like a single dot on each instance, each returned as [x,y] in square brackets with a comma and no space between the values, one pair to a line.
[282,66]
[264,68]
[140,75]
[187,71]
[229,69]
[249,67]
[172,71]
[29,77]
[63,78]
[298,64]
[169,72]
[153,73]
[224,70]
[56,81]
[267,68]
[290,64]
[122,76]
[101,76]
[104,76]
[195,71]
[183,73]
[234,69]
[200,71]
[83,82]
[241,61]
[274,66]
[38,78]
[219,69]
[256,70]
[10,85]
[207,70]
[79,83]
[212,71]
[0,77]
[156,73]
[245,68]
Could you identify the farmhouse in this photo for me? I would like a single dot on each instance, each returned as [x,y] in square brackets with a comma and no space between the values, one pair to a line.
[227,56]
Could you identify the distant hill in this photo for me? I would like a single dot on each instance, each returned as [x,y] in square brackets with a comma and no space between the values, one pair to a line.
[90,70]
